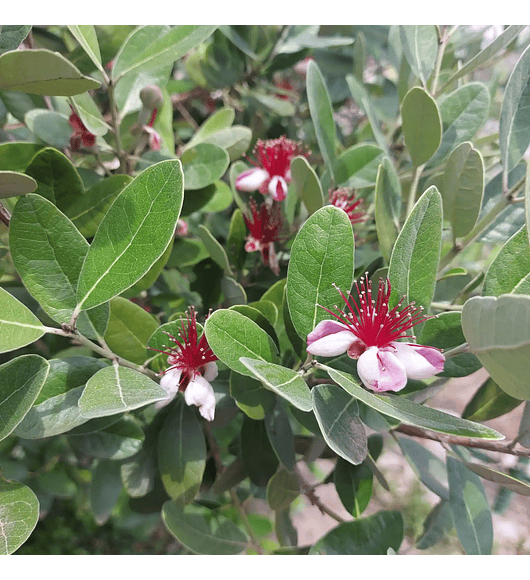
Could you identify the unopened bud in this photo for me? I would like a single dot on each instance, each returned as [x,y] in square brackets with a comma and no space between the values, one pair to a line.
[151,96]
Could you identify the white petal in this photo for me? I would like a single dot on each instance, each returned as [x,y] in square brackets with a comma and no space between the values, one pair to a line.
[278,188]
[199,392]
[332,344]
[420,362]
[170,383]
[251,179]
[380,370]
[210,371]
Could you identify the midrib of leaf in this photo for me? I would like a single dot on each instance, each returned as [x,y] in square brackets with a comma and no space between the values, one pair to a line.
[118,384]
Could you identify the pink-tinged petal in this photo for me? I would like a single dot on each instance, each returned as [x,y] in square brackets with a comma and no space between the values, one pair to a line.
[420,362]
[252,179]
[210,371]
[278,188]
[170,383]
[200,393]
[252,245]
[330,338]
[380,370]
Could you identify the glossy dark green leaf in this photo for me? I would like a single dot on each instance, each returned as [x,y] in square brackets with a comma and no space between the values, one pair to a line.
[115,390]
[471,512]
[42,72]
[87,211]
[251,396]
[306,184]
[414,262]
[509,273]
[498,333]
[436,526]
[21,380]
[387,207]
[283,488]
[283,381]
[232,335]
[257,453]
[195,528]
[181,452]
[463,188]
[369,536]
[321,256]
[337,414]
[134,233]
[412,413]
[489,402]
[13,183]
[420,47]
[48,252]
[203,164]
[422,125]
[321,114]
[278,426]
[18,325]
[354,485]
[19,515]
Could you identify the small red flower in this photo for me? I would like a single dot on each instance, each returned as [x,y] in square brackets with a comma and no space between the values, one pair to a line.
[345,199]
[81,135]
[264,226]
[272,171]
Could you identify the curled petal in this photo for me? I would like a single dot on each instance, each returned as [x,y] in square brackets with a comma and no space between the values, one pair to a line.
[380,370]
[252,179]
[278,188]
[170,383]
[330,338]
[210,371]
[199,392]
[420,362]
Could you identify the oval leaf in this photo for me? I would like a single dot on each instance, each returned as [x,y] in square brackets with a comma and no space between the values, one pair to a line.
[18,325]
[420,47]
[306,184]
[203,164]
[19,515]
[13,183]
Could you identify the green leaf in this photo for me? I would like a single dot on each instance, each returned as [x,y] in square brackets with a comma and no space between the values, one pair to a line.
[524,427]
[509,273]
[498,333]
[436,526]
[422,125]
[202,531]
[134,233]
[129,329]
[463,112]
[387,207]
[416,254]
[251,397]
[337,414]
[278,427]
[114,390]
[232,335]
[259,318]
[500,478]
[471,512]
[306,184]
[42,72]
[412,413]
[420,47]
[13,183]
[354,485]
[285,382]
[203,164]
[86,36]
[283,488]
[12,36]
[369,536]
[19,515]
[181,453]
[321,112]
[357,167]
[122,439]
[514,134]
[489,402]
[463,188]
[90,114]
[138,473]
[18,325]
[217,121]
[321,255]
[257,453]
[16,156]
[57,178]
[21,380]
[48,252]
[105,489]
[234,140]
[216,251]
[50,127]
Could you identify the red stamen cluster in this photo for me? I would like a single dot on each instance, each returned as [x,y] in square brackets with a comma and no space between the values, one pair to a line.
[275,155]
[264,224]
[345,199]
[191,354]
[372,321]
[81,135]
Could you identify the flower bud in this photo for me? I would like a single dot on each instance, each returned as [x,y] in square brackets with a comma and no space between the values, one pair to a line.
[151,96]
